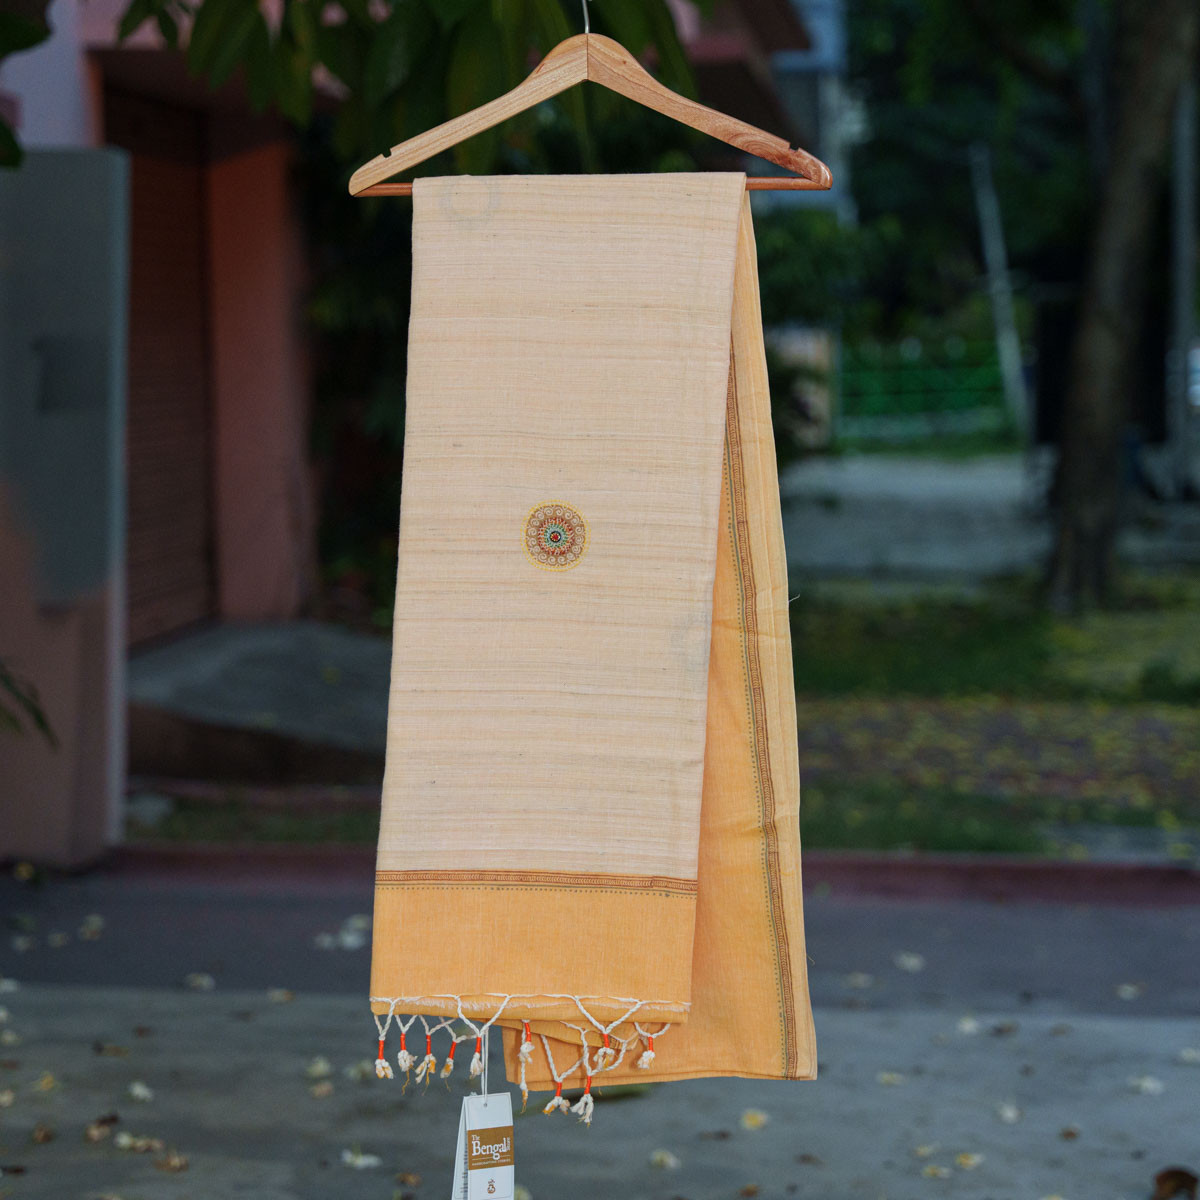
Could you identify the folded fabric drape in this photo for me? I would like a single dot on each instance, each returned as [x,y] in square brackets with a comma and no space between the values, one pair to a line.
[589,833]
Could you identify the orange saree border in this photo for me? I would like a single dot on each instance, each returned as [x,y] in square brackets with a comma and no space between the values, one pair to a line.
[575,880]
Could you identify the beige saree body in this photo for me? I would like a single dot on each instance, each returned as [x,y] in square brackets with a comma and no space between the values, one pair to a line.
[589,833]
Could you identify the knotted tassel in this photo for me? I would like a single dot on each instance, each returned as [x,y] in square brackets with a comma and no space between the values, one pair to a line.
[477,1059]
[526,1052]
[428,1063]
[383,1069]
[559,1101]
[405,1060]
[585,1104]
[605,1055]
[448,1065]
[647,1055]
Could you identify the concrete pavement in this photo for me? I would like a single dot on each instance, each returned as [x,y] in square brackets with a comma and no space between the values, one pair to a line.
[945,1028]
[908,1105]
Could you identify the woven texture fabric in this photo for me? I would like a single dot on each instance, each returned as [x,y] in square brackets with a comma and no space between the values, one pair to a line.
[589,833]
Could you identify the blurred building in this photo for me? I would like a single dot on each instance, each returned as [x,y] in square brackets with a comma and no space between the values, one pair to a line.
[154,394]
[212,491]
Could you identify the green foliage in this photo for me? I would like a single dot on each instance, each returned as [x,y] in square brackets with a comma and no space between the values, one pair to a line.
[20,706]
[400,67]
[934,77]
[815,269]
[878,815]
[926,647]
[1004,644]
[23,25]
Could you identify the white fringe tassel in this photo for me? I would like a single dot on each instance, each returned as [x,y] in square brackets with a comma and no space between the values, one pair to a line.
[583,1108]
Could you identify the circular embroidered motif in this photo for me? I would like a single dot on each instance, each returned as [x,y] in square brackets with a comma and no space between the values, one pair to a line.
[555,536]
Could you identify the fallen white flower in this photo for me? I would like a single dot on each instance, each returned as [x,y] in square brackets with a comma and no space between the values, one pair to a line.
[140,1092]
[968,1026]
[8,986]
[359,1161]
[889,1078]
[1190,1055]
[753,1118]
[1008,1112]
[910,961]
[1129,991]
[1146,1085]
[199,981]
[319,1068]
[859,979]
[664,1160]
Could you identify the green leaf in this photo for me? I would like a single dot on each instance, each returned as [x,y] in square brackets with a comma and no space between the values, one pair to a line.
[234,46]
[475,75]
[204,43]
[395,46]
[301,23]
[24,695]
[627,21]
[551,23]
[19,33]
[552,27]
[260,67]
[136,15]
[293,83]
[674,68]
[10,149]
[168,27]
[450,12]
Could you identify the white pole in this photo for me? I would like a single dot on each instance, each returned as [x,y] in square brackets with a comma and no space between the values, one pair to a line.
[1180,451]
[995,256]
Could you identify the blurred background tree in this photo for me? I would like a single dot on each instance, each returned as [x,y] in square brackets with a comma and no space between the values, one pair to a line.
[1076,101]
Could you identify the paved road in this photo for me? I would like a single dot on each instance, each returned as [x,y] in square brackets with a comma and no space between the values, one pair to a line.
[261,932]
[1064,1006]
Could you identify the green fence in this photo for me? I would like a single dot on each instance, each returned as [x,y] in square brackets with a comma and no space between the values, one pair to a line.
[914,389]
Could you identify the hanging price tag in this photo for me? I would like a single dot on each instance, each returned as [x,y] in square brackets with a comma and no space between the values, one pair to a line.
[484,1162]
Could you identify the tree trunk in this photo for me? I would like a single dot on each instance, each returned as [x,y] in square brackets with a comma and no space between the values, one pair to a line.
[1160,54]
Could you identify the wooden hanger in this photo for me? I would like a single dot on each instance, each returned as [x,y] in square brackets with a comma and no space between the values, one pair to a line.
[588,56]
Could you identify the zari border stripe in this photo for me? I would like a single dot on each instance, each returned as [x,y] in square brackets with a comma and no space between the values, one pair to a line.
[581,880]
[756,699]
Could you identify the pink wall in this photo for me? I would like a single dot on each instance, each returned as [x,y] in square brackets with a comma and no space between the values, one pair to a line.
[263,489]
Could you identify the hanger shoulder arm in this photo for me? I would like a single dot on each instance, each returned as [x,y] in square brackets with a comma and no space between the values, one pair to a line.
[610,65]
[562,68]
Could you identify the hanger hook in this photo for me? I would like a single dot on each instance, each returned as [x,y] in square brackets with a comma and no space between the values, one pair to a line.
[587,18]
